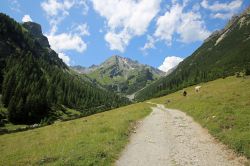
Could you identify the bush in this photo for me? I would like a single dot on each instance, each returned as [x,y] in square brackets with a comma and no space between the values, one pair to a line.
[237,74]
[3,117]
[247,72]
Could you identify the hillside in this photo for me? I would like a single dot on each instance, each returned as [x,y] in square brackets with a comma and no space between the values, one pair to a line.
[222,106]
[225,52]
[121,75]
[36,85]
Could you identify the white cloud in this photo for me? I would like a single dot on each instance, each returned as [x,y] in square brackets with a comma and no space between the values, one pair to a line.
[26,18]
[84,5]
[168,23]
[169,63]
[54,8]
[223,16]
[82,29]
[149,44]
[64,41]
[192,28]
[117,41]
[56,11]
[228,6]
[64,57]
[222,10]
[180,25]
[126,19]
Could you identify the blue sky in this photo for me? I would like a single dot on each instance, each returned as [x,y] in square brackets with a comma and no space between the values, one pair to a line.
[153,32]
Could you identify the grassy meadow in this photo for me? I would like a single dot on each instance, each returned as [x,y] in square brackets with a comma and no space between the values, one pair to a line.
[222,106]
[92,140]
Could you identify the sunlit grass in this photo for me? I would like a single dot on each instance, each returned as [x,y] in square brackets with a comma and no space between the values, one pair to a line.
[93,140]
[222,106]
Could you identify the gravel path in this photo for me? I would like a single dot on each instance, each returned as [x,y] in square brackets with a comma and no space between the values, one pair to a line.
[170,137]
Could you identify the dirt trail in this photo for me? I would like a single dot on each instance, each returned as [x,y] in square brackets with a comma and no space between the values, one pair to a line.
[170,137]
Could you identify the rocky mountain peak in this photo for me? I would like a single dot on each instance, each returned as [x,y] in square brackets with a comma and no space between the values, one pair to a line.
[235,21]
[34,28]
[36,31]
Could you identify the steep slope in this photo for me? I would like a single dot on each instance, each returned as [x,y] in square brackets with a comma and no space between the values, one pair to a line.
[35,83]
[122,75]
[222,54]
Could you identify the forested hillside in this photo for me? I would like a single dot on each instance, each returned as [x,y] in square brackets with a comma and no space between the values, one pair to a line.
[35,83]
[223,54]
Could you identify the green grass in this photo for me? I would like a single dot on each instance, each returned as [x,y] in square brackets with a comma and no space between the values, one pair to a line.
[10,126]
[93,140]
[222,106]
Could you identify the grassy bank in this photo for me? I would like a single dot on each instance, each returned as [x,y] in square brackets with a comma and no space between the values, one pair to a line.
[93,140]
[222,106]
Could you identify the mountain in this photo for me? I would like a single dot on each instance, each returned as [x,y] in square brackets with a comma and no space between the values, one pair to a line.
[84,70]
[35,85]
[223,54]
[122,75]
[36,31]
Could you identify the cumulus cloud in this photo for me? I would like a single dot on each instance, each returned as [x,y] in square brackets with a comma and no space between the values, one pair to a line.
[185,26]
[192,28]
[126,19]
[82,29]
[169,63]
[222,16]
[149,44]
[56,11]
[54,8]
[227,6]
[117,41]
[64,57]
[26,18]
[222,10]
[168,23]
[64,41]
[70,41]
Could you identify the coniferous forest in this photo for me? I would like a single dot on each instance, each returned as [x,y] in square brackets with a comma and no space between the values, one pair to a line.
[35,83]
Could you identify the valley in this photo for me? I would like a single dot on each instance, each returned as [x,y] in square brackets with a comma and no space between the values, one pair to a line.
[185,100]
[103,136]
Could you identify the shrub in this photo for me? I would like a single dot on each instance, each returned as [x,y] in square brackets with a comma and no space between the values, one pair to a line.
[247,72]
[237,74]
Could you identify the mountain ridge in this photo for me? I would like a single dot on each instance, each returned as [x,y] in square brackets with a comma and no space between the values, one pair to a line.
[121,74]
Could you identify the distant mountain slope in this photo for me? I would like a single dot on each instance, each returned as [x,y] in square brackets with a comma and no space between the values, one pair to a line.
[122,75]
[222,54]
[35,83]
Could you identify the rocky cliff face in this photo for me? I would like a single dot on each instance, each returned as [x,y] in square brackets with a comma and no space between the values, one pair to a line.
[36,31]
